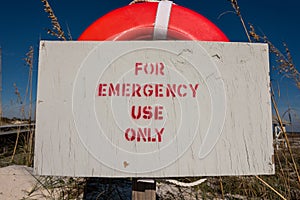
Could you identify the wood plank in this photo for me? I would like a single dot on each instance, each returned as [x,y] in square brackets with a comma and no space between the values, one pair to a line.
[218,124]
[143,189]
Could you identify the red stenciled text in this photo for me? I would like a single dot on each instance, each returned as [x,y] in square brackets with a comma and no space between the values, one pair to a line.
[146,90]
[147,112]
[144,134]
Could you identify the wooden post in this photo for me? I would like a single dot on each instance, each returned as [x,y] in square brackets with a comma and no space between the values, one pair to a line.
[143,189]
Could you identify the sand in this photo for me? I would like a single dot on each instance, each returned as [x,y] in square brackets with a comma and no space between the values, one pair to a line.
[16,182]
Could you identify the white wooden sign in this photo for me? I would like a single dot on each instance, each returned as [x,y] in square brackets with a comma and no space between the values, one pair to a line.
[153,109]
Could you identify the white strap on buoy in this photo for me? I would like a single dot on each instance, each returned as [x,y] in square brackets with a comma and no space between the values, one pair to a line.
[162,20]
[181,184]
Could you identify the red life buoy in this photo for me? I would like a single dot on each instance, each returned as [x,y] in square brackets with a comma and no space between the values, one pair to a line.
[136,22]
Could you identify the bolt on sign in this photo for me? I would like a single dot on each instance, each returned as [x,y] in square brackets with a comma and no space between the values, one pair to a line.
[153,109]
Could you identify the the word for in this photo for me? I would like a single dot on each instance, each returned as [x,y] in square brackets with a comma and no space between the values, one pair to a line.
[150,68]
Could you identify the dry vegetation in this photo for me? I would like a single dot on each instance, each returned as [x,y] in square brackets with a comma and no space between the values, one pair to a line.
[56,30]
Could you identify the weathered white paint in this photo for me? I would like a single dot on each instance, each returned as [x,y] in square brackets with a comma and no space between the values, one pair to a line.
[223,128]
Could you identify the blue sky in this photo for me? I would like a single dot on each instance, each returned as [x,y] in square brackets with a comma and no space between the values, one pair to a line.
[23,24]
